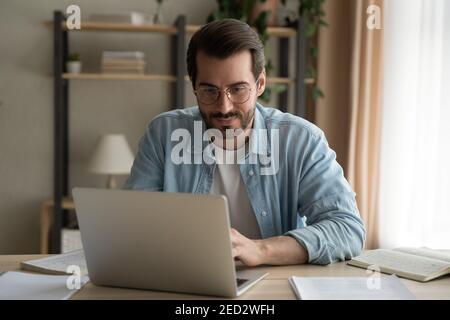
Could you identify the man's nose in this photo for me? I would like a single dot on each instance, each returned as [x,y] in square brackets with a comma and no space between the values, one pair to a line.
[224,105]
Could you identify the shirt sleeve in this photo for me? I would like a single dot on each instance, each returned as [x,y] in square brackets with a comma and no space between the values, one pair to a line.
[334,230]
[147,172]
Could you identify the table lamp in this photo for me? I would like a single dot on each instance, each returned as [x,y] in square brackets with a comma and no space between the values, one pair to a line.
[112,156]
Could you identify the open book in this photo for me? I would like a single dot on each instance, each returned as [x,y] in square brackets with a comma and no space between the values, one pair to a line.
[57,264]
[420,264]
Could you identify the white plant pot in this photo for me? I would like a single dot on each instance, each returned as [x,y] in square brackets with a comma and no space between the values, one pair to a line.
[73,66]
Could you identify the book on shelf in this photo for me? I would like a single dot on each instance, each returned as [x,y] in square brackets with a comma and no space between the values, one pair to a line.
[123,54]
[71,240]
[123,62]
[419,264]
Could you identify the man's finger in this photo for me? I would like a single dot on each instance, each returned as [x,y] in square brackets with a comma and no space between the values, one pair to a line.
[234,238]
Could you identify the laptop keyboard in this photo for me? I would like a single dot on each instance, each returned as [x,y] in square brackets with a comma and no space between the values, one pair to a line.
[240,281]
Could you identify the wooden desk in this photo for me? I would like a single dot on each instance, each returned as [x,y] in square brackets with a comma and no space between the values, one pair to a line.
[274,286]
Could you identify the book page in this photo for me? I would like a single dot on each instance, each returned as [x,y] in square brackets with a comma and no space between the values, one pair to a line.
[427,252]
[400,262]
[57,264]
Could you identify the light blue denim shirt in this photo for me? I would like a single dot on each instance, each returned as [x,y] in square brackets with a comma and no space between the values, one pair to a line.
[307,198]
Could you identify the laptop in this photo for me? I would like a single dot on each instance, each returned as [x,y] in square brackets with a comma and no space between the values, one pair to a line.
[177,242]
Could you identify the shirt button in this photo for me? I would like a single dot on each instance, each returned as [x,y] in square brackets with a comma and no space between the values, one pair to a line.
[251,172]
[264,213]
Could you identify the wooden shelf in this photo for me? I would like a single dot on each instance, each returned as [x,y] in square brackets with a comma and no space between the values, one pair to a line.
[104,26]
[118,76]
[281,32]
[158,77]
[67,203]
[287,81]
[157,28]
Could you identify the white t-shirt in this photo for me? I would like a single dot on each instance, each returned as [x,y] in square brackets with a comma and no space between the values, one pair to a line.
[228,182]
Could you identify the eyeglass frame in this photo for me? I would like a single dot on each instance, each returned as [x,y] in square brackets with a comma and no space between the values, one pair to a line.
[227,92]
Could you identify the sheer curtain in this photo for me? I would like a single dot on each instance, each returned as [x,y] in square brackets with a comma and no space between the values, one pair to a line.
[415,141]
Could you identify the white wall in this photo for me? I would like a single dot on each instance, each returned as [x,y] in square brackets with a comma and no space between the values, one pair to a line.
[26,102]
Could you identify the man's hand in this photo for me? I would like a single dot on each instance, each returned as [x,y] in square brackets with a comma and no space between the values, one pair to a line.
[250,252]
[280,250]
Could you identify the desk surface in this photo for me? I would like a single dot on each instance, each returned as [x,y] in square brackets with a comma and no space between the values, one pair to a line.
[274,286]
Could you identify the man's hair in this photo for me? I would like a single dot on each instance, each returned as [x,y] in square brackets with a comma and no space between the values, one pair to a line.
[221,39]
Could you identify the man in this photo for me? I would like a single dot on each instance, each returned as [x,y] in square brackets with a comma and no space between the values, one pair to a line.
[291,205]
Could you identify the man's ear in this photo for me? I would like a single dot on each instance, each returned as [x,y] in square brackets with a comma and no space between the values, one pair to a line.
[262,82]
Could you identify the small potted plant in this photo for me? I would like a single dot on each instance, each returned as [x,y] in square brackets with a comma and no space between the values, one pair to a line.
[158,18]
[73,64]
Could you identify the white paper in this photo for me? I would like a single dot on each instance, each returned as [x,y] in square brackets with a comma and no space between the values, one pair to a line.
[350,288]
[30,286]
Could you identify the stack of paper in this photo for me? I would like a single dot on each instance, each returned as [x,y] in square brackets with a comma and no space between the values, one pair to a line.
[373,287]
[71,240]
[27,286]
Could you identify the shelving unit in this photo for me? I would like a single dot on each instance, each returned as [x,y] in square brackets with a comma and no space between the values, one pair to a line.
[178,32]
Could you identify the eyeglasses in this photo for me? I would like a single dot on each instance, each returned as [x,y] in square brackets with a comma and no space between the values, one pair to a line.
[239,93]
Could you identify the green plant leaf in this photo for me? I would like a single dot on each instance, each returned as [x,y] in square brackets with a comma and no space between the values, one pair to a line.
[323,23]
[73,57]
[313,50]
[266,95]
[310,30]
[279,88]
[317,93]
[311,72]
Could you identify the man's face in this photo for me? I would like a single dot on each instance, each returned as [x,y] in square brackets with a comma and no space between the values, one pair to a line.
[233,73]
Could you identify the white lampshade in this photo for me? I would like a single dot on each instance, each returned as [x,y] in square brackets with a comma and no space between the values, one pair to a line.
[112,155]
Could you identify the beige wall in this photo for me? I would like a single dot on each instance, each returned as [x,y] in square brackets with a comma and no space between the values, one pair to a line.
[26,98]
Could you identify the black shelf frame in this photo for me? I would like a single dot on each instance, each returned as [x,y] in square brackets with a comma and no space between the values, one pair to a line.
[300,70]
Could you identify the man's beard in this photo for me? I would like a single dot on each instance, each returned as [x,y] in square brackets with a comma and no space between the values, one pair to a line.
[244,118]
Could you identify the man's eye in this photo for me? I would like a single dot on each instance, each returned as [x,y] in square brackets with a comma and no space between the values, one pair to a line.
[210,91]
[237,89]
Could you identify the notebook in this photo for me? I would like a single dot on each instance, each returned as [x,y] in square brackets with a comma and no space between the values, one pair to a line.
[420,264]
[57,264]
[350,288]
[28,286]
